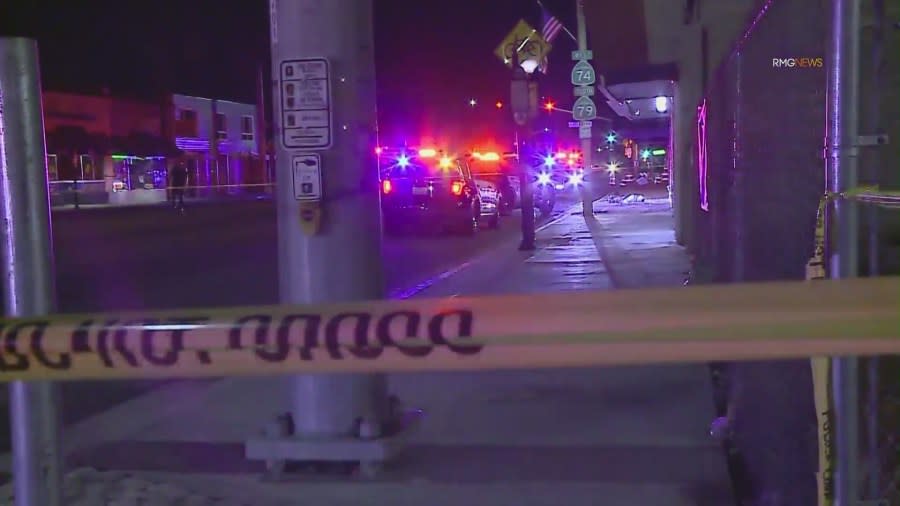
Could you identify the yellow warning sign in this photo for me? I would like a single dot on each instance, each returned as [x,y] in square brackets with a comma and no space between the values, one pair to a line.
[529,43]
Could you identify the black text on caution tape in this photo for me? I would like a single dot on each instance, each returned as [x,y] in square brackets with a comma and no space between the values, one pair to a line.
[165,342]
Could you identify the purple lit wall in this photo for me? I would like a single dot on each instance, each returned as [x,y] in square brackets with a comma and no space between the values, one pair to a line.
[701,156]
[198,144]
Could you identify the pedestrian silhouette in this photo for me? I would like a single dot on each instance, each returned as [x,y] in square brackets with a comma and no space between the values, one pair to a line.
[179,182]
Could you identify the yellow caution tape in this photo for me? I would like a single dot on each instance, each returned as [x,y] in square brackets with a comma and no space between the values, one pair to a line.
[821,365]
[821,375]
[815,268]
[703,323]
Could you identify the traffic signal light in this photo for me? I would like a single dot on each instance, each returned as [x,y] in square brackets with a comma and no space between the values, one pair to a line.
[611,137]
[499,105]
[549,106]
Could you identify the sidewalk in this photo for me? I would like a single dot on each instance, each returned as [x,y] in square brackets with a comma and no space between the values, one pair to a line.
[633,436]
[189,201]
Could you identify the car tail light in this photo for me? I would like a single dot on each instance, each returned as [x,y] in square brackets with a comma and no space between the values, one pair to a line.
[386,186]
[456,188]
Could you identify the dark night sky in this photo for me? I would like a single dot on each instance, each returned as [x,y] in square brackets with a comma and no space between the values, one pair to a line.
[431,55]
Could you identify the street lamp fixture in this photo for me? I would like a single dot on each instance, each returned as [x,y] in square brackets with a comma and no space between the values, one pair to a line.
[473,102]
[529,66]
[662,104]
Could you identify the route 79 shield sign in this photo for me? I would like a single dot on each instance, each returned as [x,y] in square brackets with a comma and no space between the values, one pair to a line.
[584,109]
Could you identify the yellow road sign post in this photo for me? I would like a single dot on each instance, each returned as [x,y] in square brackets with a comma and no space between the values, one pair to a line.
[529,43]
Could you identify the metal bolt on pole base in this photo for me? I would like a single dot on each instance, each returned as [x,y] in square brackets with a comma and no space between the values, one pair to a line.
[373,428]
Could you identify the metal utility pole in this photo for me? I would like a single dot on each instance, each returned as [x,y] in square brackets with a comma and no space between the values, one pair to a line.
[329,230]
[28,278]
[262,137]
[587,201]
[523,98]
[841,151]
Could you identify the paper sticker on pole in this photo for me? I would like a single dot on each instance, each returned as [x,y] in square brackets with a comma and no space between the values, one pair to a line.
[305,105]
[705,323]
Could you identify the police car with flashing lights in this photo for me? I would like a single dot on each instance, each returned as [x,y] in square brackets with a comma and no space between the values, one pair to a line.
[428,188]
[497,174]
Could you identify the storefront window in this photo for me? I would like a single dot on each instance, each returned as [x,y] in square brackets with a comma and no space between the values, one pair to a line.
[135,173]
[52,168]
[87,168]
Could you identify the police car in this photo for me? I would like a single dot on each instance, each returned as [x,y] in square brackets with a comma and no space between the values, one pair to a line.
[427,188]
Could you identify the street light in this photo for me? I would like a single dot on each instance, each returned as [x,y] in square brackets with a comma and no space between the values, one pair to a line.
[529,66]
[549,106]
[662,104]
[473,102]
[499,105]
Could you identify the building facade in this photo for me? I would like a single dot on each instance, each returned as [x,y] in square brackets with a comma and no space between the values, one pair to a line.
[221,141]
[118,150]
[104,144]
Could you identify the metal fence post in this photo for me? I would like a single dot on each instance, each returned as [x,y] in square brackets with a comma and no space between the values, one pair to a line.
[841,152]
[28,280]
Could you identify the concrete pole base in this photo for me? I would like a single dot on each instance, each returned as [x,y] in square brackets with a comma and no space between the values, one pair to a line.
[340,418]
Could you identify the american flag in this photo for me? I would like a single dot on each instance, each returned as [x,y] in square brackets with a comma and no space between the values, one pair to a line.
[552,27]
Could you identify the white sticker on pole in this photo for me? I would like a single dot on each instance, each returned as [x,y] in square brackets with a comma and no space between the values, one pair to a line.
[307,175]
[305,89]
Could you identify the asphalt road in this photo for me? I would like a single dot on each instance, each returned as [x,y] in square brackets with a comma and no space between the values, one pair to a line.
[215,255]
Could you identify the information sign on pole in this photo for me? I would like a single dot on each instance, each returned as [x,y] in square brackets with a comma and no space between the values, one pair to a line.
[584,91]
[307,172]
[587,54]
[305,90]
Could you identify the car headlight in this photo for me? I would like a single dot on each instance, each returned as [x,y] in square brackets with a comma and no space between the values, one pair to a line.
[576,179]
[543,178]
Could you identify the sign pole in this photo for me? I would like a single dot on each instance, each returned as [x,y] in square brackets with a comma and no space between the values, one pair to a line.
[587,201]
[28,283]
[521,105]
[842,141]
[329,227]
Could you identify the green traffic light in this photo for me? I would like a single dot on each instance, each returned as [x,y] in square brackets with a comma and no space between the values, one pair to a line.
[611,137]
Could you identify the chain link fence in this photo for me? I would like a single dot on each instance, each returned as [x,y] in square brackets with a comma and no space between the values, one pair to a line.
[760,154]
